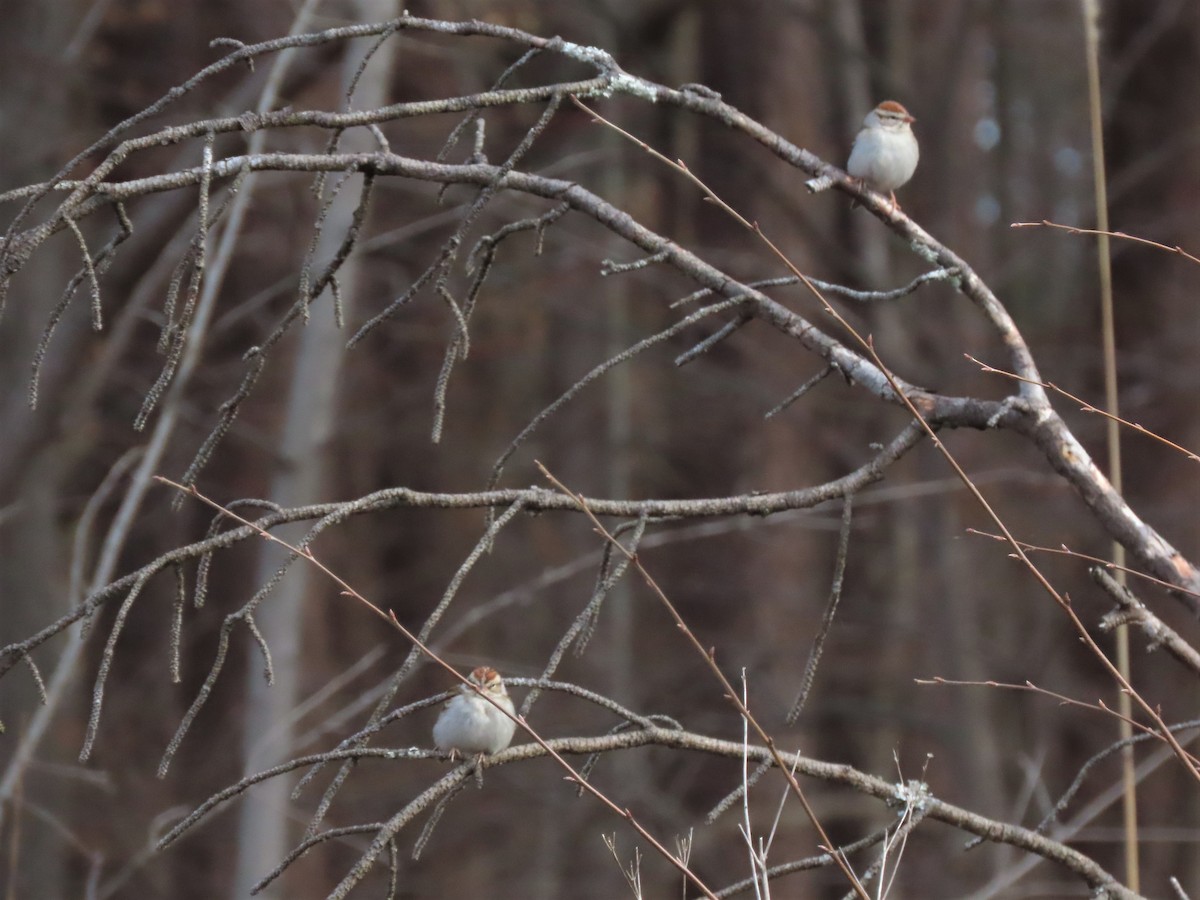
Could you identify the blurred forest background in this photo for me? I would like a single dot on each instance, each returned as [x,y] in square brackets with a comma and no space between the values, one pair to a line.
[999,91]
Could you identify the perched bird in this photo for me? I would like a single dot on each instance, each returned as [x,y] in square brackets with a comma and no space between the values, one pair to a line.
[885,151]
[469,723]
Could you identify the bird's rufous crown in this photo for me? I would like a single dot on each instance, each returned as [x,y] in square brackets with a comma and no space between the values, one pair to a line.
[486,677]
[895,109]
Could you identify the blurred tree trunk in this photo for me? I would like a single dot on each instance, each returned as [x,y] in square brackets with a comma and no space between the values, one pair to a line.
[39,112]
[903,562]
[1152,117]
[307,429]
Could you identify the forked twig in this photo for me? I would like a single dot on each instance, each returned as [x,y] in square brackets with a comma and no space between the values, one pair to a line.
[1064,550]
[1063,700]
[711,661]
[1084,405]
[1071,229]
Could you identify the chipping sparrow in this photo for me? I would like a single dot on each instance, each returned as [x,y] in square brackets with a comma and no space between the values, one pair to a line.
[470,723]
[885,151]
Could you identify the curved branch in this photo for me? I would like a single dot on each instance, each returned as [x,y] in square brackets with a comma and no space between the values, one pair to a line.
[531,500]
[833,773]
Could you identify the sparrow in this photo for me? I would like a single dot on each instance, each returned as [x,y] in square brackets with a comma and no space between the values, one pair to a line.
[885,152]
[470,723]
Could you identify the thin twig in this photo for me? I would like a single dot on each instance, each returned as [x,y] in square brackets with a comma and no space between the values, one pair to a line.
[835,595]
[1071,229]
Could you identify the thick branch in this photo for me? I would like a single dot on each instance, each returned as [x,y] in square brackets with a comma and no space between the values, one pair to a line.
[833,773]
